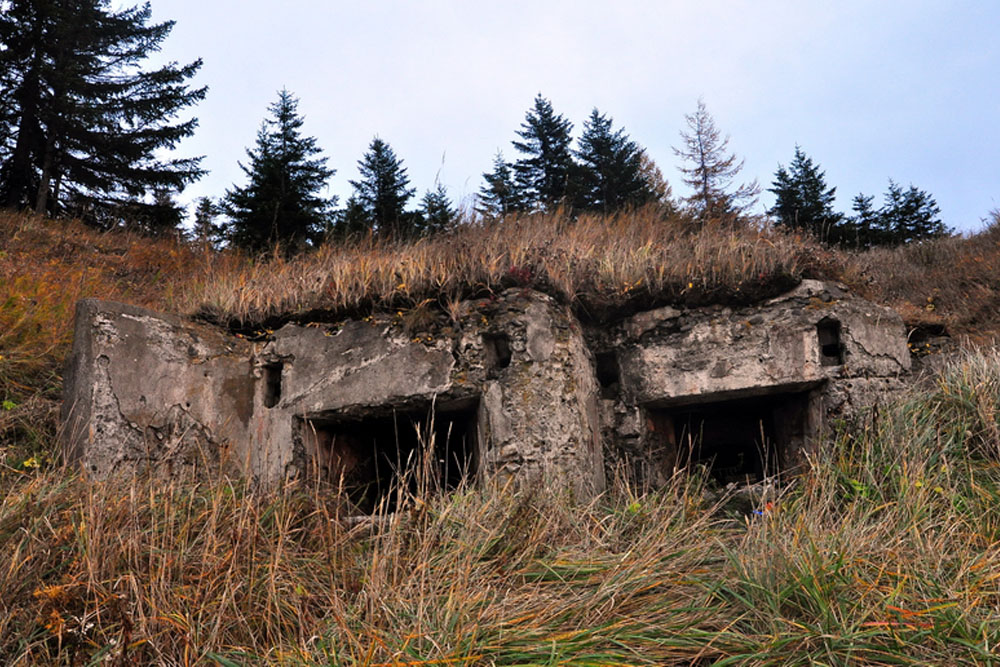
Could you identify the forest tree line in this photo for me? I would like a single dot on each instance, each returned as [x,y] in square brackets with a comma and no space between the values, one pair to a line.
[84,126]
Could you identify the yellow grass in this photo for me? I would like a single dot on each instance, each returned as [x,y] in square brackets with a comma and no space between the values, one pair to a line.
[885,551]
[595,263]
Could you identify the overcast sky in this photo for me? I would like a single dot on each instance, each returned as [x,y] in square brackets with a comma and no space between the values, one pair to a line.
[901,89]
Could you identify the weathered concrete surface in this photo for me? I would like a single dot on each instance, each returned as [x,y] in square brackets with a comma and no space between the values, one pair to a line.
[152,390]
[539,410]
[673,356]
[338,371]
[541,398]
[143,389]
[670,359]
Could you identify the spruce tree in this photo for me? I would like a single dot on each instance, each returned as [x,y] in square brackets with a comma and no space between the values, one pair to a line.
[207,231]
[544,174]
[911,215]
[382,192]
[864,228]
[657,185]
[500,195]
[436,211]
[281,203]
[353,221]
[905,216]
[611,173]
[709,170]
[81,121]
[803,201]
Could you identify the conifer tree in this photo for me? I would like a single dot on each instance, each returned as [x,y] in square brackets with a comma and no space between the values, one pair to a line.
[436,211]
[544,174]
[803,201]
[905,216]
[281,203]
[207,231]
[611,168]
[863,229]
[657,185]
[500,195]
[911,215]
[382,192]
[81,121]
[709,170]
[352,221]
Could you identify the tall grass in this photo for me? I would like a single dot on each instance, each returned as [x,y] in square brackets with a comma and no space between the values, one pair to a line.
[594,262]
[46,266]
[952,282]
[885,551]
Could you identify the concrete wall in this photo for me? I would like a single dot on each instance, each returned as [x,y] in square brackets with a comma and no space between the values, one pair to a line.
[553,401]
[149,390]
[670,358]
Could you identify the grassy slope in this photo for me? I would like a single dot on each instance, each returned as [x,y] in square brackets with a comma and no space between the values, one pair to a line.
[886,551]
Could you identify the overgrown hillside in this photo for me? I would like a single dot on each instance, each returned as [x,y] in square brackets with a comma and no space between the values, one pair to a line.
[887,551]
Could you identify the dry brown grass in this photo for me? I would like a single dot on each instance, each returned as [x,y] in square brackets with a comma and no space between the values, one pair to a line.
[599,264]
[46,266]
[885,552]
[952,283]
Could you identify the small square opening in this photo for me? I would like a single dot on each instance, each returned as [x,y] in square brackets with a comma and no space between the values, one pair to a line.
[272,384]
[608,373]
[497,349]
[434,450]
[740,441]
[831,349]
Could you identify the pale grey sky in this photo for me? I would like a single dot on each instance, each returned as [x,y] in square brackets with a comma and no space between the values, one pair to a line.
[901,89]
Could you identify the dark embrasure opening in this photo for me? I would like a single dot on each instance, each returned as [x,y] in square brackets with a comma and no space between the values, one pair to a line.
[739,441]
[272,384]
[831,349]
[428,450]
[497,349]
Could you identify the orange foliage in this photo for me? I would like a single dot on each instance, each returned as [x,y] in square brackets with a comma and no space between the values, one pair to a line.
[47,266]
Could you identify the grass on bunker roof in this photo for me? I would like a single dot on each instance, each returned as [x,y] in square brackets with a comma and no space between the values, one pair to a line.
[601,265]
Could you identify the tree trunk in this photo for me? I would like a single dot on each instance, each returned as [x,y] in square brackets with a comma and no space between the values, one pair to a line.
[42,200]
[19,184]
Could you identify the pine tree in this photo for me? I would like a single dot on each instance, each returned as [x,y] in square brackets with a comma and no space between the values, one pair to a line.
[436,211]
[207,232]
[802,200]
[81,120]
[710,171]
[911,215]
[611,174]
[659,188]
[281,203]
[906,216]
[544,175]
[382,192]
[500,195]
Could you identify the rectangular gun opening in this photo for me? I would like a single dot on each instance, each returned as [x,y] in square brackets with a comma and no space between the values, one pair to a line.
[377,458]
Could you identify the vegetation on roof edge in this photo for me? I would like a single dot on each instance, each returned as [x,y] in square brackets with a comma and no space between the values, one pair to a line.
[602,265]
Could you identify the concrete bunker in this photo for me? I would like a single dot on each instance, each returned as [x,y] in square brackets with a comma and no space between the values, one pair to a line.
[428,447]
[738,440]
[520,387]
